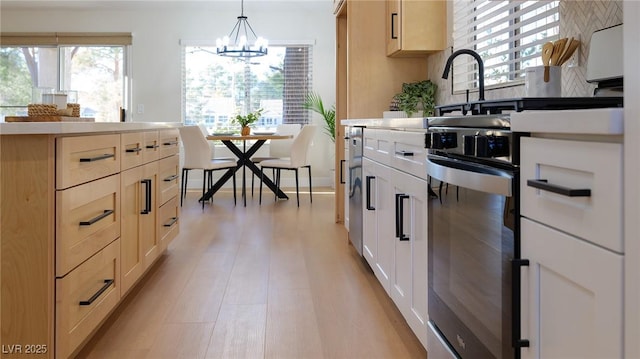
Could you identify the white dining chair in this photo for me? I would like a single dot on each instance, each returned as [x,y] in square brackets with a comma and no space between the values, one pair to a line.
[198,155]
[279,148]
[298,157]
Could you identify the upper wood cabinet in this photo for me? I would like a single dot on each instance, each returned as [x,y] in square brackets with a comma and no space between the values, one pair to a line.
[415,27]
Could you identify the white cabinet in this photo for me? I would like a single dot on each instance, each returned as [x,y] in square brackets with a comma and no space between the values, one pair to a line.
[378,220]
[395,219]
[569,309]
[409,275]
[572,288]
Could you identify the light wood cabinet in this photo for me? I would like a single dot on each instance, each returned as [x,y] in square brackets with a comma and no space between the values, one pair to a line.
[65,231]
[366,78]
[415,27]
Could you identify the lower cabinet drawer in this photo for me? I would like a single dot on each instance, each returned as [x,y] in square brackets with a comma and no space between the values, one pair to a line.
[168,221]
[169,142]
[85,297]
[574,186]
[377,145]
[87,219]
[168,177]
[85,158]
[409,153]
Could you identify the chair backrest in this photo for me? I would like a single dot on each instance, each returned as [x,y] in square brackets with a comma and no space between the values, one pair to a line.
[282,148]
[205,132]
[301,144]
[197,153]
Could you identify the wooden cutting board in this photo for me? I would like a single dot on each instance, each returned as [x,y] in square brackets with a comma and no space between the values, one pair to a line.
[48,119]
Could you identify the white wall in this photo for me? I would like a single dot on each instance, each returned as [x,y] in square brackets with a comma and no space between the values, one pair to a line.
[159,26]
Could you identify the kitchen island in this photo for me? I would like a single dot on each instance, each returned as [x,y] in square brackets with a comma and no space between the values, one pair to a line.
[85,210]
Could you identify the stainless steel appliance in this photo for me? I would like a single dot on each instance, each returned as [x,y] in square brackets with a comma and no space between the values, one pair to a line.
[354,136]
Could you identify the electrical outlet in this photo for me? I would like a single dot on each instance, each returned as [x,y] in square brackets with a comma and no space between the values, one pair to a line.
[140,108]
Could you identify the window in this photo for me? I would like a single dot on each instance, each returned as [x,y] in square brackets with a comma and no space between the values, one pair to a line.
[216,88]
[91,67]
[508,35]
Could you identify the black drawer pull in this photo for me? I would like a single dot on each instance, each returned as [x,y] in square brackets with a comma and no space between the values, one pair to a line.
[104,214]
[170,143]
[132,150]
[404,153]
[400,197]
[107,284]
[171,222]
[393,25]
[152,146]
[170,178]
[98,158]
[342,162]
[368,192]
[147,196]
[569,192]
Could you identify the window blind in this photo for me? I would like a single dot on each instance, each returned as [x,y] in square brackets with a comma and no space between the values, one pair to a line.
[508,35]
[65,38]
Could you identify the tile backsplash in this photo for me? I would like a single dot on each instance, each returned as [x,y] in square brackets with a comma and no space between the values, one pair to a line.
[576,17]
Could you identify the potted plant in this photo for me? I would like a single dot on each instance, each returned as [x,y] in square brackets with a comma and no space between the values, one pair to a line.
[313,102]
[415,95]
[246,120]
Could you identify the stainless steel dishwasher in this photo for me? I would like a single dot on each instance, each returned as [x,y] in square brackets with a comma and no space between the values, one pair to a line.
[354,136]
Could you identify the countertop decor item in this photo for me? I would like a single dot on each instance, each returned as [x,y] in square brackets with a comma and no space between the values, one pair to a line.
[238,43]
[417,93]
[246,120]
[313,102]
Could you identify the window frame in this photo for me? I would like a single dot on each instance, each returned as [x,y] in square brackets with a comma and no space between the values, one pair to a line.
[310,70]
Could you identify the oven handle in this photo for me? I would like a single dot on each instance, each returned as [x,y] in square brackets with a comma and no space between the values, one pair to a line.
[470,175]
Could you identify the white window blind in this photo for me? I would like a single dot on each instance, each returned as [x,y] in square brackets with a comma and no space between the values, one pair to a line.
[508,35]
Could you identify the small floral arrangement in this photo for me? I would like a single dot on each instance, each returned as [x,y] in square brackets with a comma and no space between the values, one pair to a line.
[250,118]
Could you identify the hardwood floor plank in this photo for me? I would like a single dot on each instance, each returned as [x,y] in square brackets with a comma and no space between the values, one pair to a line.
[292,330]
[239,332]
[181,341]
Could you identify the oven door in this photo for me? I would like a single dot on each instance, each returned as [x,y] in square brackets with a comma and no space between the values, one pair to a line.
[471,246]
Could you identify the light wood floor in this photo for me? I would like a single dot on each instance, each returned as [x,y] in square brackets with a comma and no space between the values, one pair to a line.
[270,281]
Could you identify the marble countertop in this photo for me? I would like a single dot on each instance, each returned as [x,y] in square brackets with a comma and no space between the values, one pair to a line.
[61,128]
[412,123]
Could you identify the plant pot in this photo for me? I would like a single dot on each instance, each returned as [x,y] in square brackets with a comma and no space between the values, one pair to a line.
[245,131]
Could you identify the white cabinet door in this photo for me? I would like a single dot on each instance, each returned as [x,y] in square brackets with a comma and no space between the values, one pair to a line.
[378,237]
[409,277]
[571,296]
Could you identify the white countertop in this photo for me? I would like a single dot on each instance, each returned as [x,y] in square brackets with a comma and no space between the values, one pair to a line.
[395,123]
[601,121]
[61,128]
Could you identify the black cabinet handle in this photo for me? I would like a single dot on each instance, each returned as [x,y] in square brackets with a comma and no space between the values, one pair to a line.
[342,162]
[133,150]
[368,199]
[171,222]
[404,153]
[147,196]
[170,178]
[393,25]
[400,197]
[170,143]
[152,146]
[104,214]
[107,284]
[516,265]
[98,158]
[569,192]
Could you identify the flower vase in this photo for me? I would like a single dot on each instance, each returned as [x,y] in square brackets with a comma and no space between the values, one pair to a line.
[246,131]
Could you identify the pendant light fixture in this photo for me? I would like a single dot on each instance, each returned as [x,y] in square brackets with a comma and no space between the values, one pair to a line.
[239,42]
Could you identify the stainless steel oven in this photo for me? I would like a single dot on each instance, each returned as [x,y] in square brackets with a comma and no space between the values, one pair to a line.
[473,237]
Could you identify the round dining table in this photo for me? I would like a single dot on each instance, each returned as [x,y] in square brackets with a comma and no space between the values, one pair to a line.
[244,161]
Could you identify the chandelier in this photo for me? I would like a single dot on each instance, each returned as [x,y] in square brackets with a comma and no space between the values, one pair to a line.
[242,35]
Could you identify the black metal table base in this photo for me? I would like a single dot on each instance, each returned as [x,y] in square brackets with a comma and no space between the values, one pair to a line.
[244,162]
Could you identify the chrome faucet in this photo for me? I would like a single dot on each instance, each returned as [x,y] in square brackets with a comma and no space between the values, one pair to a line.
[447,68]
